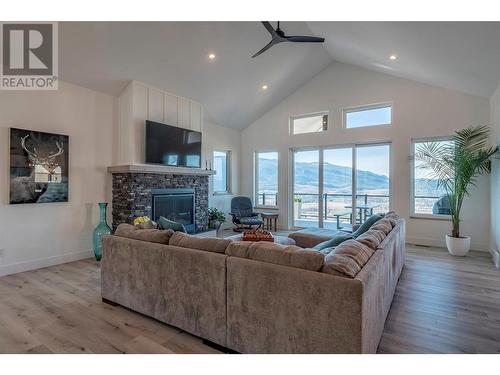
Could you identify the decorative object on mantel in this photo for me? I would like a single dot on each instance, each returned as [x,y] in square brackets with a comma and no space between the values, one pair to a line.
[100,230]
[258,235]
[38,167]
[216,219]
[144,222]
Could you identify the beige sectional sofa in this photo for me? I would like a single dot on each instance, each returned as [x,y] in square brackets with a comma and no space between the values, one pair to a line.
[254,297]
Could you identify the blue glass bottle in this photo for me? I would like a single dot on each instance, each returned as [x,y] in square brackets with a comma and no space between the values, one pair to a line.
[101,229]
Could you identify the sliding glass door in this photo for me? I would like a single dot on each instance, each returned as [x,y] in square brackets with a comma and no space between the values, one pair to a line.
[337,187]
[372,180]
[306,188]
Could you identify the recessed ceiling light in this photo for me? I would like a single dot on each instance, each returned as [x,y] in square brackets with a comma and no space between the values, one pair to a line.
[264,87]
[211,56]
[393,57]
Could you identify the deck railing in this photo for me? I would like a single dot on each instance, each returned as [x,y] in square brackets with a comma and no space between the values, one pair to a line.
[271,199]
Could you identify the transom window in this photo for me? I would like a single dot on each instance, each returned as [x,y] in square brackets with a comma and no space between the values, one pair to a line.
[266,179]
[311,123]
[427,197]
[221,167]
[371,115]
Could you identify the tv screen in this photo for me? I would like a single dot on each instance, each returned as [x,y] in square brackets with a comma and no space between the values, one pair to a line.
[173,146]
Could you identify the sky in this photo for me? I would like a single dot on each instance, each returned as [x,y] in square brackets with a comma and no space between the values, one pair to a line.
[369,117]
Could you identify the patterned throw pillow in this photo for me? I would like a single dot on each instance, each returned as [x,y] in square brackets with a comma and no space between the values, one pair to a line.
[372,238]
[384,225]
[347,259]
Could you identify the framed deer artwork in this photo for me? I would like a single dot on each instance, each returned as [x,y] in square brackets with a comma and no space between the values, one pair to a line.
[39,167]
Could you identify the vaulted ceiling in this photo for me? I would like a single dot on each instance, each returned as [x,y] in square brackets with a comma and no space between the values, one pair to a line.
[173,56]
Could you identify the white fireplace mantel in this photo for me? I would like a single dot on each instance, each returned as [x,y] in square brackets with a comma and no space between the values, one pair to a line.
[159,169]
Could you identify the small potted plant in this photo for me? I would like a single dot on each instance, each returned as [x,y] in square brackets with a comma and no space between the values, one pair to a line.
[455,166]
[216,218]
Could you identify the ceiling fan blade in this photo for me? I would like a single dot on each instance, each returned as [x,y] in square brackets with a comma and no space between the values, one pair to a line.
[269,45]
[305,39]
[270,28]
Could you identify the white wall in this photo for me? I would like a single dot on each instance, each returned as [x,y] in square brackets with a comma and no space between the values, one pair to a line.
[495,179]
[418,111]
[216,137]
[37,235]
[140,102]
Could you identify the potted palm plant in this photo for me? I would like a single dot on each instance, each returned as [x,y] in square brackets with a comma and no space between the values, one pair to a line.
[455,166]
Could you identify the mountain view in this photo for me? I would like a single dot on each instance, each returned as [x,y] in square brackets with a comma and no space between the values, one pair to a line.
[338,181]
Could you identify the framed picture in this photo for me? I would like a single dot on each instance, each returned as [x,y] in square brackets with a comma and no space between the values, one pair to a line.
[39,167]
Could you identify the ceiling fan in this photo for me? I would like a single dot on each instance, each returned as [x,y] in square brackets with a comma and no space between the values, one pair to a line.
[278,36]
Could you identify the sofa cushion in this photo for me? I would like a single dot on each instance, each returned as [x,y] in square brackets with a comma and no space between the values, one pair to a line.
[270,252]
[165,223]
[149,235]
[372,238]
[212,244]
[347,259]
[337,239]
[366,225]
[393,217]
[384,225]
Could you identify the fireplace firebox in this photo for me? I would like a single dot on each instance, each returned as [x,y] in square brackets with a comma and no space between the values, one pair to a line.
[175,204]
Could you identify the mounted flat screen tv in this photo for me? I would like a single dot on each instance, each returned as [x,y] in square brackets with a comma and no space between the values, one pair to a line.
[172,146]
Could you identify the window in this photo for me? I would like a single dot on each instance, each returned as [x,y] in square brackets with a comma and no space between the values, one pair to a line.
[336,187]
[312,123]
[373,115]
[266,179]
[221,167]
[427,197]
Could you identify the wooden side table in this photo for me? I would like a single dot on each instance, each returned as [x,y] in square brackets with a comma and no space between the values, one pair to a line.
[269,218]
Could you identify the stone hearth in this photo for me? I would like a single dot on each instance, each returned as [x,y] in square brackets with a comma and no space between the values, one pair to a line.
[132,193]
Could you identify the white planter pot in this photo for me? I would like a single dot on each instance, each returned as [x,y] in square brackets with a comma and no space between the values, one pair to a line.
[458,246]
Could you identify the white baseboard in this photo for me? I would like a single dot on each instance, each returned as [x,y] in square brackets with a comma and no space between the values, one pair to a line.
[13,268]
[495,254]
[434,242]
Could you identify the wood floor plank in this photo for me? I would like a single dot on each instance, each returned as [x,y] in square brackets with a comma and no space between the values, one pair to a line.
[443,304]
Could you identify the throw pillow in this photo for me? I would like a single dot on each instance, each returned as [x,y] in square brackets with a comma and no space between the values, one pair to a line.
[366,225]
[336,240]
[164,223]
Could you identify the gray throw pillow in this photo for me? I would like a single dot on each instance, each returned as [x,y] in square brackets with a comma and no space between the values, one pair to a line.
[164,223]
[336,240]
[367,224]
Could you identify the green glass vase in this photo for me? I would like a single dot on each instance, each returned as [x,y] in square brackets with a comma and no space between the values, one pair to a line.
[101,230]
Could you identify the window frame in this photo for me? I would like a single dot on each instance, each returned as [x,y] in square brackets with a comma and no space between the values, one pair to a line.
[413,214]
[307,115]
[366,107]
[256,180]
[228,172]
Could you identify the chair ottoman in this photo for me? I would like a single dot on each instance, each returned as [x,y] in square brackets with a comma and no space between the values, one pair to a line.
[310,237]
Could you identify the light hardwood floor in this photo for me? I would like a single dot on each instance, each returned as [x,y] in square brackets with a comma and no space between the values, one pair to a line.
[442,305]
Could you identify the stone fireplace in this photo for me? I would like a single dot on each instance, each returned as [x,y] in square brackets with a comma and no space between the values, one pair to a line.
[180,194]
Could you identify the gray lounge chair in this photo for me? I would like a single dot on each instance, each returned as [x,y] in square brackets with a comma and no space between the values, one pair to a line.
[243,215]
